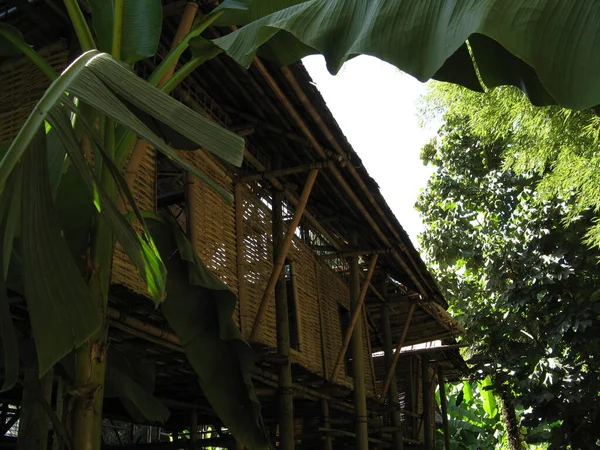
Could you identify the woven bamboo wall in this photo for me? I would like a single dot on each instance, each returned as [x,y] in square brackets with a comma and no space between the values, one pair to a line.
[319,289]
[23,85]
[334,291]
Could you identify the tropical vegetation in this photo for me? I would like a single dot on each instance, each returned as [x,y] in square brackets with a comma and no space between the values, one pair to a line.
[509,239]
[81,143]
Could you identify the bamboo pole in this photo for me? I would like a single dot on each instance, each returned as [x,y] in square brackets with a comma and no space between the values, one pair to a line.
[284,249]
[393,397]
[392,369]
[444,405]
[335,172]
[194,427]
[417,277]
[358,362]
[326,423]
[287,171]
[286,400]
[238,202]
[354,320]
[428,444]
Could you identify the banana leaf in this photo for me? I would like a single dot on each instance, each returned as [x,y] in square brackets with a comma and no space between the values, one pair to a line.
[489,400]
[62,312]
[547,48]
[132,381]
[199,309]
[140,31]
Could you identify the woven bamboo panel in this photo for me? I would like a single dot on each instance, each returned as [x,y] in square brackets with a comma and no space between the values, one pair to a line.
[333,292]
[144,194]
[24,84]
[310,355]
[258,259]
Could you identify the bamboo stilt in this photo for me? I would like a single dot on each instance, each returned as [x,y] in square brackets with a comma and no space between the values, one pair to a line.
[392,369]
[326,423]
[286,399]
[428,442]
[34,421]
[393,398]
[284,249]
[354,320]
[358,362]
[238,202]
[444,405]
[194,426]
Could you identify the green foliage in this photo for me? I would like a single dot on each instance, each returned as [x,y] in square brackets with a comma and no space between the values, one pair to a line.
[508,40]
[520,280]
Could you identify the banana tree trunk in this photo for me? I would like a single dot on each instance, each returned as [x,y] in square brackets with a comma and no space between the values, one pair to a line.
[90,358]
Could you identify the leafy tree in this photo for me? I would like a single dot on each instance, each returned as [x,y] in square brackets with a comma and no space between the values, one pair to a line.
[523,283]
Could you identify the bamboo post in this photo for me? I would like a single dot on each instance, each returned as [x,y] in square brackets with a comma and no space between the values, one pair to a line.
[191,197]
[392,369]
[426,404]
[284,249]
[326,423]
[394,407]
[444,405]
[286,399]
[354,320]
[34,421]
[238,201]
[358,361]
[194,428]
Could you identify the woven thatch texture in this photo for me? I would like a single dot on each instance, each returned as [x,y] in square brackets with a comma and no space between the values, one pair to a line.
[334,292]
[24,84]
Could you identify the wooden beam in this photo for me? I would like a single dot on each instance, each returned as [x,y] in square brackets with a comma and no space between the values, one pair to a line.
[393,399]
[428,442]
[285,248]
[350,253]
[285,397]
[238,202]
[392,369]
[284,172]
[358,360]
[354,320]
[444,405]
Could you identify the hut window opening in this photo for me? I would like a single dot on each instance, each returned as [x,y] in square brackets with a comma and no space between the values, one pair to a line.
[292,304]
[344,316]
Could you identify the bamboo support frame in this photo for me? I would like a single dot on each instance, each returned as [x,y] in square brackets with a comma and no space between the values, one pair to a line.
[392,369]
[428,444]
[347,188]
[354,320]
[239,242]
[286,401]
[394,407]
[284,172]
[358,362]
[444,405]
[285,247]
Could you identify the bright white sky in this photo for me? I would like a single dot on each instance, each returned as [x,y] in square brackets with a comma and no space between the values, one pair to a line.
[375,105]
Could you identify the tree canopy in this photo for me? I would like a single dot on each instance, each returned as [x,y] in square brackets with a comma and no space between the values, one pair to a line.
[510,255]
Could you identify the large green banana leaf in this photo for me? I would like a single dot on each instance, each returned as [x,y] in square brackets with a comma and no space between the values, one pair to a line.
[140,31]
[199,308]
[548,48]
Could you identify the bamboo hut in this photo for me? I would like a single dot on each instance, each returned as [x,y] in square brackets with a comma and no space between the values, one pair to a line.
[332,295]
